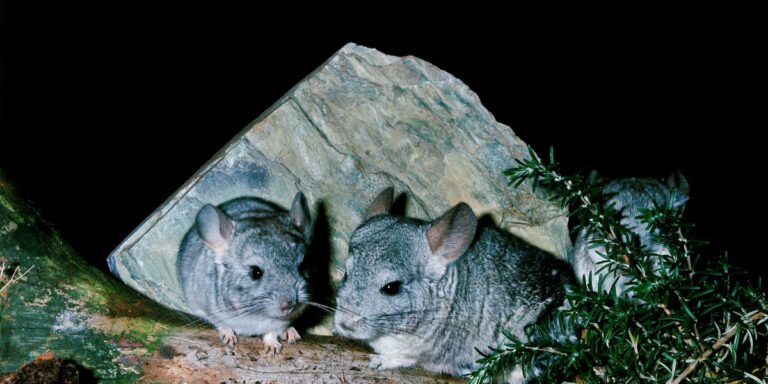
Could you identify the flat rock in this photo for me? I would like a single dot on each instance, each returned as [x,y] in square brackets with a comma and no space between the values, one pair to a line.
[361,122]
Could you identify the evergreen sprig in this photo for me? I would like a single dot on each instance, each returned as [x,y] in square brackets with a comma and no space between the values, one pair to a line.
[679,320]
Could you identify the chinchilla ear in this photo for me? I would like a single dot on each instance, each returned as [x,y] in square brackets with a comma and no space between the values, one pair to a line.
[450,235]
[381,204]
[679,188]
[215,228]
[300,216]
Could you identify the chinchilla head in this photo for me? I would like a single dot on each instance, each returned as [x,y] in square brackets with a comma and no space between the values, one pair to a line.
[393,267]
[258,258]
[632,195]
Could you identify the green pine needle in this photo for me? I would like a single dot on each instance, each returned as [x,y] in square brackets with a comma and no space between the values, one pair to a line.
[679,320]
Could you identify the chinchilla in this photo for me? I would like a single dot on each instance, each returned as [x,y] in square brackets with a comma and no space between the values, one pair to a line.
[630,196]
[239,268]
[437,294]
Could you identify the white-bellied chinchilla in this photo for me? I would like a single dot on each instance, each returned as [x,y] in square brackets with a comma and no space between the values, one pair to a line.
[437,294]
[238,266]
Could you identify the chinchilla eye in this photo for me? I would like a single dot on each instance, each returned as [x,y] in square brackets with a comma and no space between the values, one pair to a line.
[256,272]
[391,288]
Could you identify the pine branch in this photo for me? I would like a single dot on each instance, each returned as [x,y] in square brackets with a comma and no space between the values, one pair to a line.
[718,344]
[624,334]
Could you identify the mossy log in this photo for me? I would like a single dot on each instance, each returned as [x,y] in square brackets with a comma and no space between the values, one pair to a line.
[66,306]
[63,306]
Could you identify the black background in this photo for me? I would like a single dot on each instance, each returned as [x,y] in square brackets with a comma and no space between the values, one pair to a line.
[107,109]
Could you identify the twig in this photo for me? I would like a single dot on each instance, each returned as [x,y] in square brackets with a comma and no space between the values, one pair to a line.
[15,276]
[683,241]
[687,254]
[585,202]
[718,344]
[547,349]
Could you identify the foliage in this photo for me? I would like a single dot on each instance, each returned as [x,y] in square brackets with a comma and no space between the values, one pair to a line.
[681,320]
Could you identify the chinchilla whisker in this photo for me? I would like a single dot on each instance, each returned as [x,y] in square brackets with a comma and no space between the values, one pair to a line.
[390,328]
[201,320]
[237,315]
[246,309]
[326,308]
[410,313]
[229,313]
[372,321]
[347,310]
[383,324]
[195,322]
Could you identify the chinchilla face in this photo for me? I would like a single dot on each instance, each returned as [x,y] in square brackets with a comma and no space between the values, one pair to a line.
[261,271]
[386,288]
[394,266]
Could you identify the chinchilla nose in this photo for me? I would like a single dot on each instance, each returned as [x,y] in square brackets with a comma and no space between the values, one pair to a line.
[348,325]
[286,306]
[345,327]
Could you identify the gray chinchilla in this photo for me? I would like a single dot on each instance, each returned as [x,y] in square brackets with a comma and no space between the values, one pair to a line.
[238,266]
[425,294]
[630,196]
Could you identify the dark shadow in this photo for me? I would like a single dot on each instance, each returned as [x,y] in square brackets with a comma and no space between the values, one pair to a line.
[86,375]
[316,267]
[484,222]
[399,205]
[54,371]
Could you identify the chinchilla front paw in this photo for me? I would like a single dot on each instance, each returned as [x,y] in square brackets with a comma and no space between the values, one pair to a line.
[227,337]
[271,345]
[290,335]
